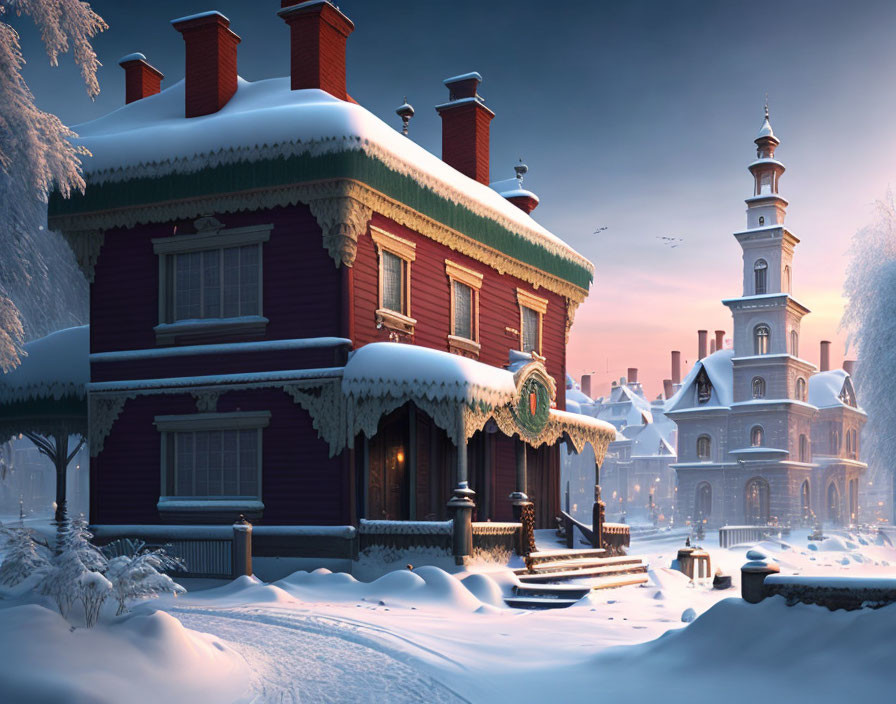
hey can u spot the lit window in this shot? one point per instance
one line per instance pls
(395, 258)
(761, 334)
(760, 274)
(210, 282)
(758, 387)
(704, 447)
(465, 283)
(532, 311)
(756, 436)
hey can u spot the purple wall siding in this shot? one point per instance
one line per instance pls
(195, 365)
(305, 302)
(301, 484)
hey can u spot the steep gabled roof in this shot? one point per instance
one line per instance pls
(832, 389)
(719, 369)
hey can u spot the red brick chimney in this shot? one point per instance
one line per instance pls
(849, 366)
(465, 127)
(676, 367)
(632, 375)
(586, 385)
(720, 339)
(211, 61)
(701, 343)
(317, 36)
(140, 79)
(526, 203)
(825, 361)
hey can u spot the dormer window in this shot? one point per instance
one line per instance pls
(760, 277)
(704, 387)
(761, 336)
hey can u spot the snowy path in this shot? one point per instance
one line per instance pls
(300, 657)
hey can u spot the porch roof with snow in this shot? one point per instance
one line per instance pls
(270, 137)
(48, 390)
(461, 395)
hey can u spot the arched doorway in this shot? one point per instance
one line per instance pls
(833, 503)
(805, 505)
(756, 499)
(703, 501)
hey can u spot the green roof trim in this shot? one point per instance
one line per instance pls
(281, 171)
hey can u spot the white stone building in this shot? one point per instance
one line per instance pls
(764, 437)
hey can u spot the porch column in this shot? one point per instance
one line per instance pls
(461, 505)
(523, 508)
(598, 512)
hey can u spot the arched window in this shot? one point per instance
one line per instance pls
(760, 277)
(761, 221)
(835, 442)
(758, 387)
(704, 387)
(703, 501)
(756, 436)
(704, 447)
(788, 280)
(756, 499)
(804, 448)
(804, 501)
(794, 343)
(833, 503)
(761, 337)
(800, 391)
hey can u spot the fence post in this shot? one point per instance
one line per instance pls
(752, 579)
(242, 548)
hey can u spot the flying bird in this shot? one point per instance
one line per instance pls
(600, 229)
(669, 241)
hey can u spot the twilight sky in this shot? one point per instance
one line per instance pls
(634, 116)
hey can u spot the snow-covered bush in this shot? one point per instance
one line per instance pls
(76, 557)
(23, 556)
(93, 590)
(141, 576)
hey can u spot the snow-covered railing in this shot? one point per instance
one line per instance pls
(834, 592)
(401, 535)
(492, 536)
(738, 535)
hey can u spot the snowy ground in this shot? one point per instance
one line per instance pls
(429, 636)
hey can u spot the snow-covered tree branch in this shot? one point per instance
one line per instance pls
(36, 155)
(870, 319)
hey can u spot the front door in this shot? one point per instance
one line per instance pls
(388, 485)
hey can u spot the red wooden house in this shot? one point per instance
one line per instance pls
(298, 314)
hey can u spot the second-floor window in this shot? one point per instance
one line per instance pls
(761, 335)
(760, 273)
(396, 255)
(211, 282)
(704, 447)
(756, 436)
(532, 311)
(465, 284)
(758, 387)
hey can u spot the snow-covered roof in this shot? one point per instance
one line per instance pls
(827, 389)
(56, 366)
(383, 369)
(651, 441)
(265, 120)
(511, 188)
(719, 369)
(766, 129)
(575, 394)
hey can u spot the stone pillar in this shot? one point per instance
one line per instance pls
(522, 506)
(242, 548)
(752, 579)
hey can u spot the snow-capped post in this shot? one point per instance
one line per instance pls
(317, 36)
(211, 71)
(140, 78)
(465, 127)
(752, 579)
(242, 548)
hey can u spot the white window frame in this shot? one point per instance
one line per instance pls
(540, 306)
(405, 250)
(169, 331)
(198, 422)
(458, 273)
(757, 336)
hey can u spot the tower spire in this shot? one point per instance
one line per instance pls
(766, 207)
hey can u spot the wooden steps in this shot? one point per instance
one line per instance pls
(545, 583)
